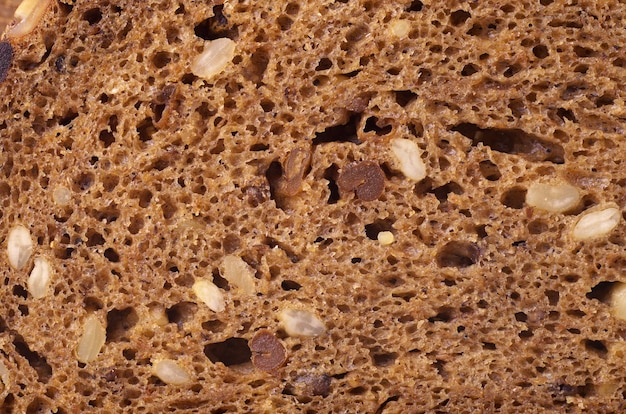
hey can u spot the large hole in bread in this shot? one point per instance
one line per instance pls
(181, 313)
(119, 322)
(330, 174)
(38, 405)
(284, 22)
(416, 5)
(112, 255)
(255, 70)
(83, 181)
(106, 135)
(94, 238)
(92, 16)
(601, 291)
(596, 347)
(442, 192)
(444, 314)
(36, 361)
(381, 358)
(169, 207)
(514, 198)
(373, 124)
(144, 197)
(489, 170)
(372, 229)
(513, 141)
(19, 291)
(403, 98)
(459, 17)
(216, 26)
(161, 59)
(553, 297)
(146, 129)
(290, 285)
(231, 352)
(214, 326)
(273, 174)
(458, 254)
(346, 132)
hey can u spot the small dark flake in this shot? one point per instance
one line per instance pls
(6, 57)
(110, 375)
(59, 64)
(315, 384)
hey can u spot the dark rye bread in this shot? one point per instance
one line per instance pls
(134, 179)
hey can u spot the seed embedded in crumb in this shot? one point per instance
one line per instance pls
(618, 300)
(91, 341)
(61, 196)
(299, 322)
(555, 198)
(158, 315)
(409, 156)
(210, 294)
(597, 222)
(214, 58)
(385, 238)
(238, 273)
(400, 27)
(27, 16)
(170, 372)
(19, 247)
(39, 278)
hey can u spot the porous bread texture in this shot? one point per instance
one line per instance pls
(135, 179)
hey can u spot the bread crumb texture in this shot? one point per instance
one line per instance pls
(183, 204)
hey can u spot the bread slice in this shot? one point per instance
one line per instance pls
(339, 206)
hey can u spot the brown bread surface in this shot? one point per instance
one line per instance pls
(135, 178)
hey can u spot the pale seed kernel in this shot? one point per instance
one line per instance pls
(19, 247)
(400, 27)
(210, 294)
(385, 238)
(555, 198)
(298, 322)
(238, 273)
(91, 341)
(158, 315)
(170, 372)
(597, 222)
(409, 156)
(61, 196)
(214, 58)
(27, 16)
(39, 278)
(618, 300)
